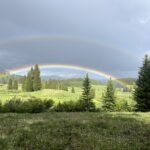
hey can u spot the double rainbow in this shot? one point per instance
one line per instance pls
(65, 66)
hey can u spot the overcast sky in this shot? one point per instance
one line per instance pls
(108, 35)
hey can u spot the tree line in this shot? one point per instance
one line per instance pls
(55, 84)
(12, 84)
(32, 82)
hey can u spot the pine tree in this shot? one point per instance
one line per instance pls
(93, 93)
(86, 99)
(142, 90)
(109, 97)
(24, 83)
(10, 84)
(37, 79)
(29, 83)
(15, 85)
(72, 90)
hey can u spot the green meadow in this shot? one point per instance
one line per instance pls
(63, 96)
(75, 131)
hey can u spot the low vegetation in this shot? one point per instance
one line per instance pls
(75, 131)
(28, 106)
(89, 117)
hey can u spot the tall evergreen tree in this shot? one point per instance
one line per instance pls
(24, 83)
(109, 97)
(86, 99)
(37, 79)
(142, 90)
(72, 90)
(93, 93)
(15, 85)
(29, 83)
(10, 84)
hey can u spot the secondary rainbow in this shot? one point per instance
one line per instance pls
(88, 70)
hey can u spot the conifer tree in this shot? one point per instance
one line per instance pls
(15, 85)
(72, 90)
(29, 83)
(24, 83)
(142, 90)
(86, 99)
(10, 84)
(109, 97)
(37, 79)
(93, 93)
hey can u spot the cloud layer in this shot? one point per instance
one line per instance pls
(107, 35)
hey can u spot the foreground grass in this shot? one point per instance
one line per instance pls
(75, 131)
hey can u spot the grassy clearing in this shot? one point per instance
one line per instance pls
(61, 96)
(75, 131)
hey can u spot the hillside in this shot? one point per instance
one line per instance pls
(128, 81)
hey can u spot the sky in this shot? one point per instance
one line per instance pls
(108, 35)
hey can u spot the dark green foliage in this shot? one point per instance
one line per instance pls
(86, 99)
(92, 93)
(15, 85)
(126, 89)
(33, 80)
(32, 105)
(10, 84)
(69, 106)
(24, 83)
(64, 88)
(124, 106)
(36, 78)
(55, 84)
(52, 84)
(109, 97)
(29, 83)
(72, 90)
(142, 90)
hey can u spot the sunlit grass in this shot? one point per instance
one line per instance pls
(61, 96)
(79, 131)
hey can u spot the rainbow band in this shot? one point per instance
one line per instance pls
(42, 66)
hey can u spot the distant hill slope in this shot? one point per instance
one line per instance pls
(77, 82)
(129, 81)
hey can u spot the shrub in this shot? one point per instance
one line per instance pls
(71, 106)
(12, 105)
(65, 107)
(124, 106)
(30, 106)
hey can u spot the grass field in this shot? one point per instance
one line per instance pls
(75, 131)
(61, 96)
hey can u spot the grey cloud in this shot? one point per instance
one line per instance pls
(124, 24)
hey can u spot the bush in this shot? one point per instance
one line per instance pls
(123, 106)
(65, 107)
(71, 106)
(30, 106)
